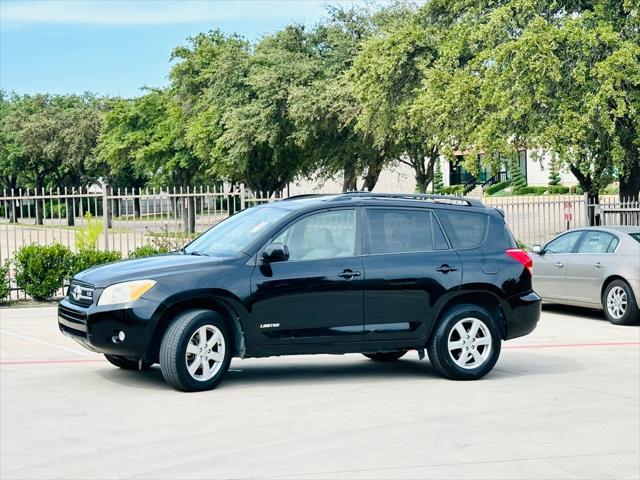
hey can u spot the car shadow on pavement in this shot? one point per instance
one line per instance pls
(575, 312)
(241, 373)
(248, 373)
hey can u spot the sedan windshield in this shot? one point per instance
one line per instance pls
(635, 236)
(230, 237)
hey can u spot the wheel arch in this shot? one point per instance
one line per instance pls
(483, 298)
(608, 280)
(220, 302)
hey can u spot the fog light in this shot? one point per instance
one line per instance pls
(119, 338)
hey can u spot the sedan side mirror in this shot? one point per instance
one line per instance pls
(275, 252)
(536, 249)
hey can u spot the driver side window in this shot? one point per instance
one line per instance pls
(322, 235)
(563, 244)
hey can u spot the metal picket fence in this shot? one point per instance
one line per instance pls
(170, 217)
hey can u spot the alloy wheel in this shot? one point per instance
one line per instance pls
(617, 302)
(205, 353)
(469, 343)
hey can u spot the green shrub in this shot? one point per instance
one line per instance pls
(87, 236)
(518, 181)
(577, 189)
(55, 210)
(4, 281)
(554, 175)
(521, 245)
(437, 178)
(41, 269)
(453, 190)
(147, 251)
(496, 187)
(90, 258)
(558, 189)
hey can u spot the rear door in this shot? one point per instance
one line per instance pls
(585, 269)
(549, 274)
(408, 265)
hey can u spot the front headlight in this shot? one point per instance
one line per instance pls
(125, 292)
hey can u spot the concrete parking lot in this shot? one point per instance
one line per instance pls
(563, 402)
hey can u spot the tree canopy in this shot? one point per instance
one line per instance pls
(366, 88)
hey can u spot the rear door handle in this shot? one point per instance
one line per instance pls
(348, 274)
(444, 268)
(558, 264)
(598, 265)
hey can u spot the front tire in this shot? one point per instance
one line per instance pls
(196, 351)
(385, 356)
(619, 304)
(466, 343)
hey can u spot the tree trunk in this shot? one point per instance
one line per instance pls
(373, 174)
(593, 199)
(108, 208)
(630, 185)
(350, 179)
(39, 205)
(136, 206)
(68, 206)
(188, 204)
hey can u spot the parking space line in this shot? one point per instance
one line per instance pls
(42, 342)
(66, 360)
(574, 345)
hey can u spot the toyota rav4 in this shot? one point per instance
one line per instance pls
(377, 274)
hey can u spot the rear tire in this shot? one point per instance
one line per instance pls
(196, 351)
(385, 356)
(619, 304)
(465, 344)
(127, 364)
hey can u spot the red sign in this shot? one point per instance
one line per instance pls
(567, 217)
(568, 206)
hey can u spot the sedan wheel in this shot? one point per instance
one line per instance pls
(619, 304)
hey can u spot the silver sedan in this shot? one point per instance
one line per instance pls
(595, 267)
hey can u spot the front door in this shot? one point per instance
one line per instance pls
(409, 266)
(316, 295)
(549, 274)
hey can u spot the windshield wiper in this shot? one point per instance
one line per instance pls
(192, 252)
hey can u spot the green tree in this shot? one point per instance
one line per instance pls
(563, 76)
(554, 175)
(387, 74)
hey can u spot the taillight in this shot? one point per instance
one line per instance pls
(522, 257)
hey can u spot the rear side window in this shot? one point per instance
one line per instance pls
(397, 230)
(598, 242)
(465, 229)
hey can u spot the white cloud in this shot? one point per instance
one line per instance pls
(149, 12)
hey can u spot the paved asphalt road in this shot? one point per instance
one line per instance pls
(563, 402)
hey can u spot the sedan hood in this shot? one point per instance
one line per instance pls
(149, 267)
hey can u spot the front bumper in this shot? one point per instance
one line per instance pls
(522, 314)
(96, 328)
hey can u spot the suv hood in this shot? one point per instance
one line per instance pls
(149, 267)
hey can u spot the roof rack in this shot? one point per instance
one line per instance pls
(306, 195)
(444, 199)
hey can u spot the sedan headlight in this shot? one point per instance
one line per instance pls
(125, 292)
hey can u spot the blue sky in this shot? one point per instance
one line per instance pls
(117, 47)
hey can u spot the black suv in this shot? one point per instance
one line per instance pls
(377, 274)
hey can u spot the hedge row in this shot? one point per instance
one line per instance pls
(40, 270)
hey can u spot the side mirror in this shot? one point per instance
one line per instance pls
(536, 249)
(275, 252)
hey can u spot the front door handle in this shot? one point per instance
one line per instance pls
(558, 264)
(348, 274)
(444, 268)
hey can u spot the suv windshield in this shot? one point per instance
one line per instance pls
(230, 237)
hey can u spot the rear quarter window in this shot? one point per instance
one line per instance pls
(464, 229)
